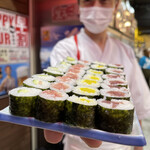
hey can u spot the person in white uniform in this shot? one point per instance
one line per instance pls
(94, 44)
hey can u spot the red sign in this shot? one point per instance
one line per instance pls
(13, 30)
(65, 13)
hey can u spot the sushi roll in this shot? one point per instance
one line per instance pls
(66, 79)
(115, 71)
(98, 67)
(99, 63)
(94, 72)
(117, 66)
(93, 77)
(112, 76)
(45, 77)
(22, 101)
(88, 82)
(50, 106)
(80, 66)
(54, 71)
(62, 87)
(71, 60)
(36, 83)
(78, 71)
(86, 91)
(115, 116)
(115, 94)
(74, 76)
(117, 82)
(107, 86)
(84, 62)
(80, 111)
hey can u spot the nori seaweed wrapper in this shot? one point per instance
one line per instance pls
(49, 110)
(114, 120)
(79, 115)
(22, 106)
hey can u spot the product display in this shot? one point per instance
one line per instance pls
(71, 91)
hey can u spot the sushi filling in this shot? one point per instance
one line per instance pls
(53, 95)
(84, 90)
(60, 86)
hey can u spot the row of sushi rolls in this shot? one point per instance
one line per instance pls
(77, 93)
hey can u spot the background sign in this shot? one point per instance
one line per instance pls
(50, 35)
(65, 13)
(14, 50)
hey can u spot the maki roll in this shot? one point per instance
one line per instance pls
(112, 76)
(115, 116)
(62, 87)
(45, 77)
(114, 94)
(117, 82)
(98, 67)
(66, 79)
(86, 91)
(50, 106)
(36, 83)
(22, 101)
(94, 72)
(93, 77)
(80, 111)
(76, 70)
(84, 62)
(117, 66)
(71, 60)
(99, 63)
(54, 71)
(88, 82)
(115, 71)
(107, 86)
(72, 75)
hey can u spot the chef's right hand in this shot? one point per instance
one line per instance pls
(55, 137)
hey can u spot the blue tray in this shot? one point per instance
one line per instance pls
(136, 138)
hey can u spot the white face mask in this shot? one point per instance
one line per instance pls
(96, 19)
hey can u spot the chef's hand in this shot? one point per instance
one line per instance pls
(55, 137)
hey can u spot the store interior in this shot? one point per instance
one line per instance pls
(45, 22)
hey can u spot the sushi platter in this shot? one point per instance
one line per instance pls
(87, 99)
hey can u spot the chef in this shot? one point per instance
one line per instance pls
(94, 44)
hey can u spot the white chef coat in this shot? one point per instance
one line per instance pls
(115, 52)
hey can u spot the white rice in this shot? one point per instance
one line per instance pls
(89, 91)
(28, 92)
(122, 104)
(57, 72)
(30, 82)
(51, 97)
(88, 82)
(44, 76)
(83, 100)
